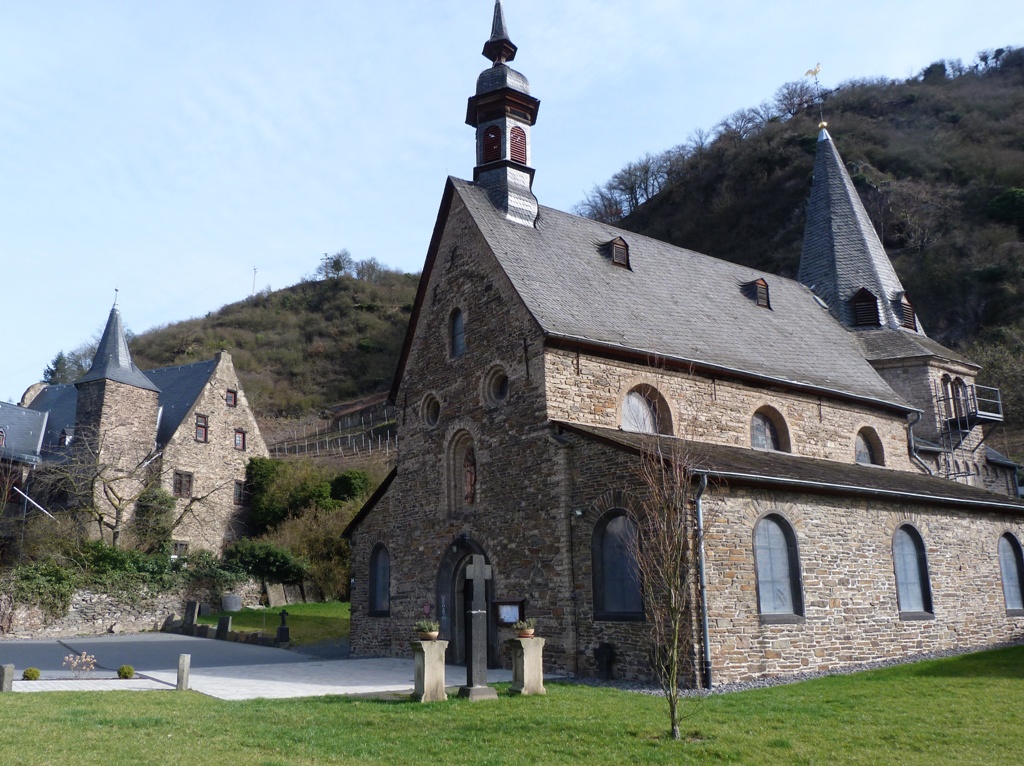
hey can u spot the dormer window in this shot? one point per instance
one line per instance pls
(64, 439)
(908, 317)
(757, 291)
(619, 251)
(3, 438)
(865, 309)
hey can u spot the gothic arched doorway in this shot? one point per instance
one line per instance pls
(454, 597)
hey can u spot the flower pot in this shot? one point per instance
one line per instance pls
(526, 633)
(427, 636)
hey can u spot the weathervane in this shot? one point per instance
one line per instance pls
(817, 92)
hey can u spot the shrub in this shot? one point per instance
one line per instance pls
(45, 584)
(350, 484)
(263, 559)
(126, 672)
(30, 674)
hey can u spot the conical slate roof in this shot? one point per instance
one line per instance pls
(842, 253)
(113, 361)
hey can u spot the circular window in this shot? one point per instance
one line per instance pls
(431, 410)
(496, 386)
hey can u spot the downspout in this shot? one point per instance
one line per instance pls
(702, 578)
(913, 447)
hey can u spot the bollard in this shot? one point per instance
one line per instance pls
(6, 678)
(184, 665)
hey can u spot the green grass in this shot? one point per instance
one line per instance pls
(308, 623)
(960, 711)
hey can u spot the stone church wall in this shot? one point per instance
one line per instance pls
(588, 389)
(849, 587)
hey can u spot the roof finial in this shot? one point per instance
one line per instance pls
(817, 93)
(115, 297)
(499, 48)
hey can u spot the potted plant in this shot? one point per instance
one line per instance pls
(525, 628)
(427, 630)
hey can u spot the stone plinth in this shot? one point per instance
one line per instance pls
(527, 665)
(428, 659)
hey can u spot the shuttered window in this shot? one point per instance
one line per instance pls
(492, 144)
(865, 309)
(517, 145)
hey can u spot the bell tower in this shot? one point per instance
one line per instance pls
(503, 111)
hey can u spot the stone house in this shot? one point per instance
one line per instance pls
(858, 513)
(187, 429)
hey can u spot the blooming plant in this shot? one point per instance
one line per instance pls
(80, 664)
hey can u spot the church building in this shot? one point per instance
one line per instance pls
(858, 512)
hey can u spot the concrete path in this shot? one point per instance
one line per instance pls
(221, 669)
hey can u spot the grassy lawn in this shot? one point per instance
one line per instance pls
(308, 623)
(968, 710)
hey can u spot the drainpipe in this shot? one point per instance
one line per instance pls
(702, 575)
(910, 443)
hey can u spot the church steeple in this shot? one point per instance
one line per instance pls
(503, 111)
(843, 260)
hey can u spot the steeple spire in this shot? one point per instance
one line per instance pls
(113, 361)
(499, 48)
(843, 260)
(503, 111)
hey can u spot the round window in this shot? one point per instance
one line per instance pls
(431, 410)
(496, 386)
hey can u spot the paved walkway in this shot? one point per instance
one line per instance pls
(220, 669)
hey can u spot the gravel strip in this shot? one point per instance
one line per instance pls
(643, 687)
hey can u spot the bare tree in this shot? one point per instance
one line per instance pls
(794, 97)
(667, 551)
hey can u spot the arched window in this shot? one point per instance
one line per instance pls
(912, 588)
(645, 411)
(617, 588)
(868, 448)
(463, 489)
(1011, 564)
(380, 581)
(517, 145)
(768, 431)
(778, 569)
(492, 144)
(457, 327)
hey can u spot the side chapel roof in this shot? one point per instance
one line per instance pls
(670, 302)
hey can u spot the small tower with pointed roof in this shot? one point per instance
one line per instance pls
(843, 260)
(118, 407)
(503, 111)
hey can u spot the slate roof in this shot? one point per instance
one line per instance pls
(998, 458)
(898, 344)
(23, 433)
(671, 303)
(746, 466)
(179, 389)
(113, 361)
(841, 251)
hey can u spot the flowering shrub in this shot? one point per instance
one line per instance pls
(80, 664)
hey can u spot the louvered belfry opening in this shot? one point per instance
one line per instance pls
(762, 293)
(517, 145)
(492, 144)
(909, 317)
(620, 252)
(865, 309)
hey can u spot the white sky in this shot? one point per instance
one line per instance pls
(168, 147)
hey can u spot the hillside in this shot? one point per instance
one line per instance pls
(938, 160)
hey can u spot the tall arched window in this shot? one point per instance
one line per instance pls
(463, 489)
(778, 569)
(1011, 564)
(868, 447)
(517, 145)
(912, 587)
(492, 144)
(380, 581)
(768, 431)
(617, 588)
(457, 327)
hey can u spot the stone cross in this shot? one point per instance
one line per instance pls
(476, 688)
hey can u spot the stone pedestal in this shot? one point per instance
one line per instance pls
(428, 659)
(527, 665)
